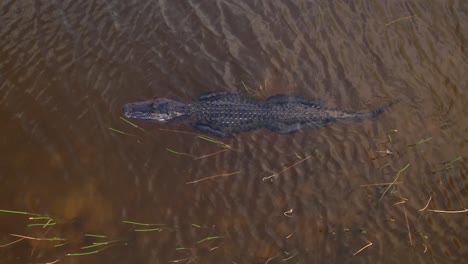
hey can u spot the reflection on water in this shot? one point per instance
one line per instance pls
(79, 184)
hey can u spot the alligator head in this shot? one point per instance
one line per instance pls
(162, 110)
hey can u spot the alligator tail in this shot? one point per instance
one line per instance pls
(362, 116)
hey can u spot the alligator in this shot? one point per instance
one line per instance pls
(224, 114)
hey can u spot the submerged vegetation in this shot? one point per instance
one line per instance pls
(90, 243)
(391, 156)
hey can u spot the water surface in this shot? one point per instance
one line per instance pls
(348, 193)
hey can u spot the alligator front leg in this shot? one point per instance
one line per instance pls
(212, 131)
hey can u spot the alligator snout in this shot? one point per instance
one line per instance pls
(139, 110)
(127, 110)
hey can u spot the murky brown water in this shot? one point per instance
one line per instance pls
(67, 67)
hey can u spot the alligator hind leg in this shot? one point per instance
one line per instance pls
(283, 128)
(210, 130)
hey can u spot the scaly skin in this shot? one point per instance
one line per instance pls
(224, 114)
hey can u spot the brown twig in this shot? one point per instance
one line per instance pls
(213, 248)
(380, 184)
(182, 260)
(132, 124)
(287, 168)
(210, 139)
(425, 248)
(407, 225)
(400, 202)
(288, 213)
(55, 261)
(38, 238)
(180, 153)
(11, 243)
(427, 204)
(121, 132)
(364, 247)
(406, 219)
(195, 157)
(449, 212)
(401, 18)
(48, 222)
(178, 131)
(212, 177)
(211, 154)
